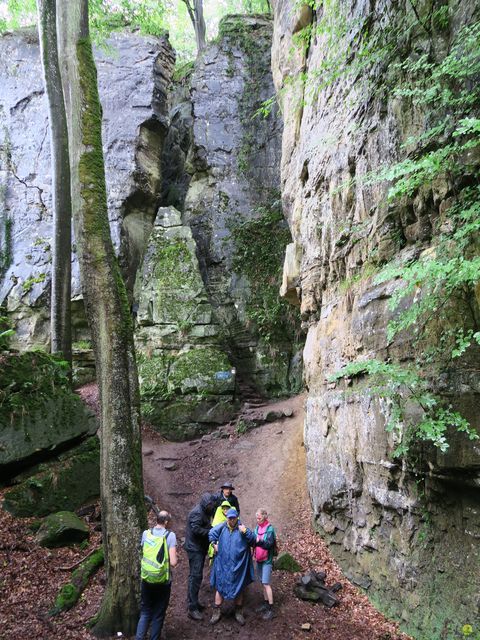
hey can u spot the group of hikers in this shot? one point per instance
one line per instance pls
(213, 530)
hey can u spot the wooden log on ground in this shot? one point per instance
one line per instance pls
(304, 594)
(320, 576)
(314, 579)
(311, 587)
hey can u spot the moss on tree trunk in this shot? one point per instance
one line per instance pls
(123, 511)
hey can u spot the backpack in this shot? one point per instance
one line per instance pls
(276, 545)
(155, 566)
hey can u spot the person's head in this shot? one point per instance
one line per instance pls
(232, 518)
(163, 518)
(207, 503)
(225, 507)
(261, 515)
(227, 489)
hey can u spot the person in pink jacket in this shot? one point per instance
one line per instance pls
(265, 538)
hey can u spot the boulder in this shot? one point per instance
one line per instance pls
(64, 484)
(38, 411)
(61, 530)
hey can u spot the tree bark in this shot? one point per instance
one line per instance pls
(60, 320)
(108, 314)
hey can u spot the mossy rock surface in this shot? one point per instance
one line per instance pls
(206, 371)
(38, 411)
(61, 529)
(286, 562)
(184, 396)
(65, 484)
(190, 416)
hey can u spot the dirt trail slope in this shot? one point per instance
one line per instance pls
(267, 467)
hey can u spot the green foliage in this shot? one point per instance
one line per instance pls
(405, 390)
(146, 15)
(6, 331)
(81, 345)
(468, 631)
(105, 16)
(29, 378)
(259, 249)
(27, 285)
(447, 150)
(183, 72)
(17, 13)
(241, 427)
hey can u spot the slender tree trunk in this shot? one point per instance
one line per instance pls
(195, 12)
(123, 509)
(200, 27)
(61, 337)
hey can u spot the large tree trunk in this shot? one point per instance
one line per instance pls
(123, 509)
(61, 336)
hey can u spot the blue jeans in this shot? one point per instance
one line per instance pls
(196, 560)
(155, 599)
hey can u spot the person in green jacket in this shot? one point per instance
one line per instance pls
(220, 516)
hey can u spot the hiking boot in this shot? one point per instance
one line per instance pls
(239, 617)
(201, 607)
(263, 607)
(216, 615)
(194, 614)
(268, 615)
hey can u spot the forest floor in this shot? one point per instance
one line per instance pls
(267, 467)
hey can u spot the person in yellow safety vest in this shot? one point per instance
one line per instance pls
(220, 516)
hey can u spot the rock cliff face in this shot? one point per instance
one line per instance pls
(407, 530)
(207, 292)
(232, 204)
(135, 123)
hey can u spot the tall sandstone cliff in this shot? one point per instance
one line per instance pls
(406, 529)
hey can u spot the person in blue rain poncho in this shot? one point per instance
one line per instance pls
(232, 568)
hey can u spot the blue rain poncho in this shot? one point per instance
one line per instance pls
(232, 568)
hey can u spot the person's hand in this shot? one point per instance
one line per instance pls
(242, 528)
(215, 547)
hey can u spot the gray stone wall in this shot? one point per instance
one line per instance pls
(400, 528)
(234, 163)
(134, 74)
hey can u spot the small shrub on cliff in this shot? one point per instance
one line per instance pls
(405, 389)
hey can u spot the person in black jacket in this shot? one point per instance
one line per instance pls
(196, 546)
(226, 493)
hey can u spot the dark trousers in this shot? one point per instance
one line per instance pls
(196, 560)
(155, 599)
